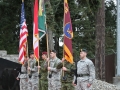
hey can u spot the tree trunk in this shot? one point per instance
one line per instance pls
(50, 26)
(100, 43)
(50, 40)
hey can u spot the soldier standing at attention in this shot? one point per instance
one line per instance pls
(85, 72)
(23, 75)
(68, 76)
(54, 76)
(33, 81)
(44, 72)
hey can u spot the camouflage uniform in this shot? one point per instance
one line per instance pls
(68, 76)
(33, 81)
(23, 77)
(43, 80)
(85, 74)
(54, 76)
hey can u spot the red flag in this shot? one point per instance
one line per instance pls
(35, 31)
(68, 34)
(23, 36)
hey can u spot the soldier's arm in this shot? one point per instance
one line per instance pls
(35, 68)
(74, 78)
(71, 68)
(56, 68)
(91, 72)
(43, 69)
(26, 64)
(18, 75)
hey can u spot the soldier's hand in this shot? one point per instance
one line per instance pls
(63, 59)
(73, 84)
(28, 68)
(17, 78)
(47, 59)
(64, 68)
(26, 79)
(88, 85)
(49, 68)
(38, 67)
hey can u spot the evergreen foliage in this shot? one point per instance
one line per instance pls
(83, 22)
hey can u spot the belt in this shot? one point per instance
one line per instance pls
(82, 75)
(23, 73)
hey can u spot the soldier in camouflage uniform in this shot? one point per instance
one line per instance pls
(54, 76)
(68, 76)
(85, 72)
(33, 81)
(23, 76)
(44, 72)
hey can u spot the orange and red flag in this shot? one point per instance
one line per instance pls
(68, 34)
(35, 31)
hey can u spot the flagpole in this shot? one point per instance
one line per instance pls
(38, 56)
(27, 56)
(47, 45)
(38, 52)
(63, 57)
(63, 42)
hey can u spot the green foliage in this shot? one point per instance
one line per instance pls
(83, 22)
(111, 12)
(9, 22)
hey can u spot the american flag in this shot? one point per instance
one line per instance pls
(23, 36)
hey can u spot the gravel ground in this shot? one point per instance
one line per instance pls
(101, 85)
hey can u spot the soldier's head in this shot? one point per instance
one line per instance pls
(32, 55)
(44, 55)
(53, 53)
(83, 53)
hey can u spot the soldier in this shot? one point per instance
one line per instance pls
(85, 72)
(33, 81)
(68, 76)
(23, 75)
(43, 72)
(54, 76)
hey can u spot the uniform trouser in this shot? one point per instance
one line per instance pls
(82, 85)
(54, 84)
(23, 83)
(43, 84)
(67, 86)
(33, 83)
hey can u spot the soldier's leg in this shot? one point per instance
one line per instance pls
(70, 86)
(44, 85)
(57, 85)
(29, 84)
(63, 87)
(84, 86)
(23, 84)
(35, 83)
(40, 88)
(78, 86)
(50, 86)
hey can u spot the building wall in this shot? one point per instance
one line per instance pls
(10, 57)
